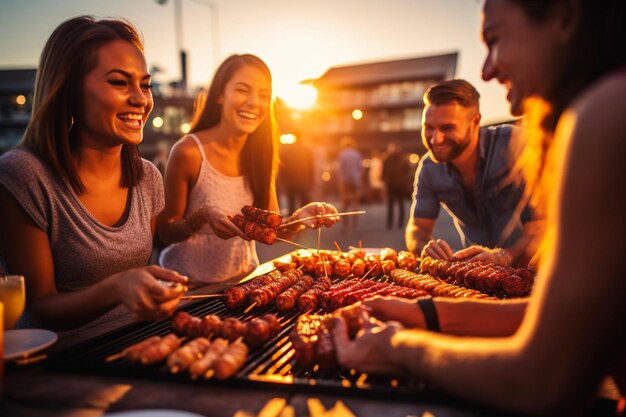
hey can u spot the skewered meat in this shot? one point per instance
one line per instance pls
(341, 268)
(231, 361)
(268, 293)
(287, 299)
(273, 323)
(184, 324)
(434, 286)
(311, 299)
(486, 277)
(210, 325)
(255, 231)
(159, 350)
(266, 217)
(202, 365)
(358, 268)
(184, 356)
(256, 332)
(232, 329)
(407, 260)
(133, 352)
(239, 295)
(388, 254)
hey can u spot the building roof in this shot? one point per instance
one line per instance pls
(438, 67)
(17, 80)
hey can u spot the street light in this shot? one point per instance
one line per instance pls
(178, 23)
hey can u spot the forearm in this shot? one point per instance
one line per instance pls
(486, 371)
(416, 239)
(174, 230)
(479, 318)
(67, 310)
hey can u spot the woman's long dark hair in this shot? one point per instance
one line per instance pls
(259, 155)
(69, 55)
(594, 50)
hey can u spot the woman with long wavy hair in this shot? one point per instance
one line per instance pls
(228, 161)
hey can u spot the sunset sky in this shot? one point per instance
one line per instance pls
(298, 39)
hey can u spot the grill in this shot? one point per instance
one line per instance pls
(268, 365)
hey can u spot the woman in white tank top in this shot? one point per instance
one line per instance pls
(228, 160)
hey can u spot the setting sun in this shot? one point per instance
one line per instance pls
(299, 96)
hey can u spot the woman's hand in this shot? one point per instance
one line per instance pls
(371, 350)
(220, 223)
(152, 292)
(480, 253)
(404, 311)
(316, 209)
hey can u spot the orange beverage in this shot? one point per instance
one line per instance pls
(13, 297)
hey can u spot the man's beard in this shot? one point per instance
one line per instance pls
(454, 151)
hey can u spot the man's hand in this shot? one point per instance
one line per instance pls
(438, 249)
(480, 253)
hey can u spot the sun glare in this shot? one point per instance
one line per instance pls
(299, 96)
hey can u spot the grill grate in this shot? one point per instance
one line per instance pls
(270, 364)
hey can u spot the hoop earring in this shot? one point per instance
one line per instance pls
(69, 129)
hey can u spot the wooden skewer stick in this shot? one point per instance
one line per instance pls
(321, 216)
(291, 243)
(114, 357)
(367, 273)
(319, 239)
(200, 296)
(337, 246)
(250, 307)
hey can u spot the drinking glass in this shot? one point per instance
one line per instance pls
(13, 296)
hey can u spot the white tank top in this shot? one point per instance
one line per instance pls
(204, 257)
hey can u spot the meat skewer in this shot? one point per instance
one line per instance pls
(288, 298)
(239, 295)
(160, 350)
(266, 217)
(133, 352)
(268, 293)
(183, 357)
(205, 364)
(311, 298)
(231, 360)
(255, 231)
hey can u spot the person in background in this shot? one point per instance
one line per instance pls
(375, 175)
(471, 171)
(396, 176)
(549, 357)
(228, 161)
(160, 159)
(78, 205)
(349, 171)
(296, 173)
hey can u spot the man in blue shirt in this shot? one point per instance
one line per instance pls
(471, 171)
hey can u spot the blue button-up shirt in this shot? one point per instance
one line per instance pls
(493, 213)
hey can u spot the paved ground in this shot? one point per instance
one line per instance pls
(371, 231)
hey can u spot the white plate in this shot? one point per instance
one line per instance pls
(22, 342)
(153, 413)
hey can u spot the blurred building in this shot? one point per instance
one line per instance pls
(375, 103)
(169, 120)
(16, 100)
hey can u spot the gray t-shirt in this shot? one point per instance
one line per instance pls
(84, 250)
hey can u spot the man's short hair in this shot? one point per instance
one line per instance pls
(448, 91)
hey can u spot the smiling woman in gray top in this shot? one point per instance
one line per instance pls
(77, 203)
